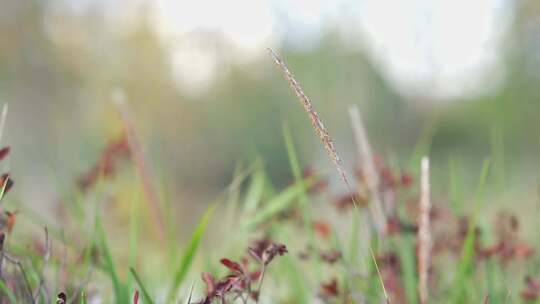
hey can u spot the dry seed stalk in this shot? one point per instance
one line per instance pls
(324, 136)
(138, 158)
(320, 130)
(424, 233)
(366, 158)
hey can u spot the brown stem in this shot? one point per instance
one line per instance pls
(261, 280)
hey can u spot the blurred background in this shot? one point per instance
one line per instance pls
(204, 94)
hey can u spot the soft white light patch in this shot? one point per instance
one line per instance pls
(431, 48)
(194, 68)
(247, 24)
(436, 48)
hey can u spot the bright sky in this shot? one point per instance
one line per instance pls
(427, 48)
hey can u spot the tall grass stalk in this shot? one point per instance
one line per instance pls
(366, 158)
(141, 165)
(424, 233)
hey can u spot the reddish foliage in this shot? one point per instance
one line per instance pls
(272, 251)
(397, 226)
(233, 266)
(322, 228)
(4, 152)
(531, 290)
(329, 289)
(239, 282)
(136, 297)
(10, 220)
(258, 248)
(331, 256)
(115, 151)
(406, 180)
(346, 201)
(6, 183)
(318, 186)
(61, 298)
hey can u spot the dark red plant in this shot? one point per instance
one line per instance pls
(531, 291)
(322, 228)
(239, 282)
(329, 289)
(318, 186)
(115, 151)
(330, 256)
(61, 298)
(136, 297)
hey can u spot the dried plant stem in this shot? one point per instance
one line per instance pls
(261, 280)
(387, 299)
(424, 233)
(316, 122)
(24, 276)
(366, 159)
(138, 158)
(324, 136)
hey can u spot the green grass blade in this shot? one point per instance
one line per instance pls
(379, 275)
(189, 254)
(7, 292)
(188, 299)
(109, 266)
(147, 297)
(255, 191)
(277, 204)
(297, 173)
(467, 253)
(134, 228)
(84, 298)
(407, 258)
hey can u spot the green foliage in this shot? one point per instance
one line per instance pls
(189, 253)
(147, 297)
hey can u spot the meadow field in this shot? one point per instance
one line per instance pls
(269, 152)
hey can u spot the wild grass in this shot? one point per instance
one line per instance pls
(390, 237)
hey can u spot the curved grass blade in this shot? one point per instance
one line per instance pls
(277, 204)
(147, 297)
(7, 292)
(255, 190)
(467, 253)
(119, 289)
(189, 254)
(188, 300)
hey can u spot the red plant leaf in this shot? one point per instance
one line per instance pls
(6, 182)
(4, 152)
(331, 256)
(523, 250)
(272, 251)
(210, 282)
(330, 289)
(406, 180)
(322, 228)
(136, 297)
(233, 266)
(10, 221)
